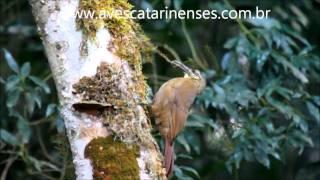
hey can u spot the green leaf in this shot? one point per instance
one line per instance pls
(226, 60)
(197, 121)
(219, 90)
(25, 70)
(276, 155)
(262, 157)
(36, 163)
(177, 171)
(228, 164)
(13, 97)
(12, 82)
(237, 133)
(8, 137)
(238, 158)
(177, 4)
(316, 100)
(267, 23)
(300, 123)
(191, 170)
(11, 61)
(40, 83)
(24, 130)
(184, 156)
(261, 60)
(50, 109)
(60, 126)
(314, 111)
(303, 137)
(179, 174)
(248, 155)
(182, 140)
(2, 80)
(279, 130)
(219, 6)
(295, 71)
(195, 124)
(270, 127)
(257, 132)
(30, 102)
(244, 97)
(231, 43)
(286, 93)
(297, 36)
(36, 98)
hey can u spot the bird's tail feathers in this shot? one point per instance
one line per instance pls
(168, 157)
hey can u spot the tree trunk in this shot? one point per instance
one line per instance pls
(96, 65)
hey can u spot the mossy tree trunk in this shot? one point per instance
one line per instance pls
(96, 65)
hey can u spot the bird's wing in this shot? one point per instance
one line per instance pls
(186, 93)
(161, 108)
(179, 115)
(171, 105)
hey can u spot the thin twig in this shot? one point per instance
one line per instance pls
(155, 74)
(7, 167)
(8, 152)
(159, 77)
(244, 29)
(173, 53)
(64, 167)
(195, 56)
(42, 146)
(40, 121)
(49, 76)
(43, 174)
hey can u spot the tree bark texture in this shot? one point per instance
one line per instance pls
(101, 91)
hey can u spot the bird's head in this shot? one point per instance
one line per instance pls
(189, 73)
(201, 79)
(197, 75)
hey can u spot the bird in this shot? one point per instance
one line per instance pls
(170, 107)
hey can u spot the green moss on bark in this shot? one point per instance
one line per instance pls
(113, 159)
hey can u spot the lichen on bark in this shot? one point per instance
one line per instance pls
(113, 159)
(112, 94)
(117, 93)
(128, 40)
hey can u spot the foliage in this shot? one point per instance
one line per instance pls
(261, 92)
(259, 100)
(18, 129)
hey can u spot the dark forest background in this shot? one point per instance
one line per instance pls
(258, 117)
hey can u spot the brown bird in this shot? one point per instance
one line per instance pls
(170, 108)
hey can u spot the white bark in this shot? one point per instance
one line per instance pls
(62, 41)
